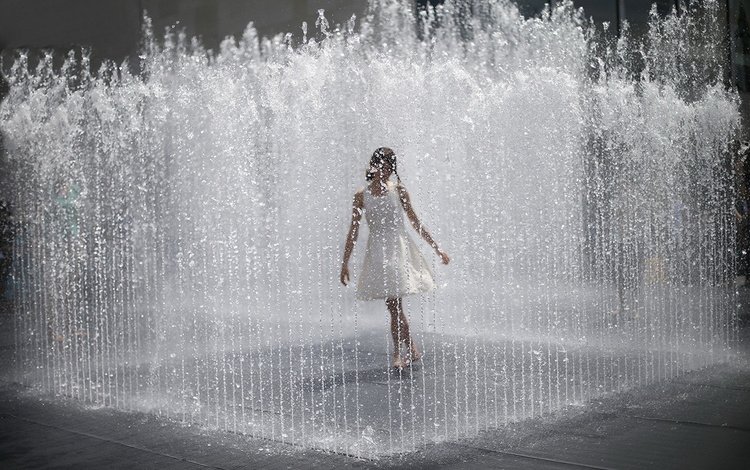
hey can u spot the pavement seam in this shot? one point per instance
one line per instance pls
(536, 457)
(690, 423)
(723, 387)
(125, 444)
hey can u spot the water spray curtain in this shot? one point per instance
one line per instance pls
(180, 232)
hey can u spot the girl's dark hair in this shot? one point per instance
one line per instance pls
(380, 156)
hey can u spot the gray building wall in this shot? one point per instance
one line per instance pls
(112, 28)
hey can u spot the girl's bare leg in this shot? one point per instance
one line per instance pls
(396, 332)
(414, 354)
(400, 333)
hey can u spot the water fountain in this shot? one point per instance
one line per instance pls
(180, 230)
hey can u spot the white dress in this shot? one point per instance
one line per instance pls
(393, 265)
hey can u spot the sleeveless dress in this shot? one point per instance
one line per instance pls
(393, 265)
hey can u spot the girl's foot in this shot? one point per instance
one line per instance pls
(398, 362)
(414, 355)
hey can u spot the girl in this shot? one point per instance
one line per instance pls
(393, 265)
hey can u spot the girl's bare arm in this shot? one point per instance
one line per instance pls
(351, 238)
(421, 229)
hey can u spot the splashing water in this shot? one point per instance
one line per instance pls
(180, 231)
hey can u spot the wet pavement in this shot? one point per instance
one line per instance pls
(698, 420)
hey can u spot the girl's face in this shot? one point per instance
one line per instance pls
(381, 170)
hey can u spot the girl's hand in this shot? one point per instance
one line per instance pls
(443, 256)
(344, 274)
